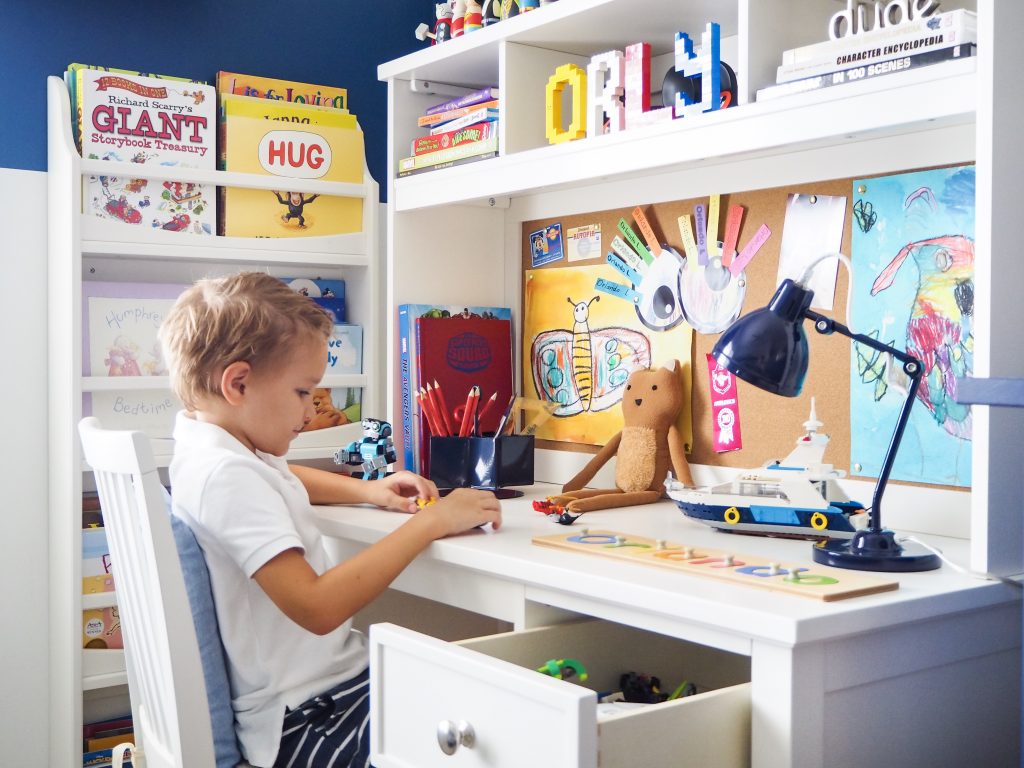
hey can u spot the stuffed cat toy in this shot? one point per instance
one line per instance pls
(646, 448)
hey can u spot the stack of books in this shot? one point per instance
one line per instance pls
(462, 130)
(924, 41)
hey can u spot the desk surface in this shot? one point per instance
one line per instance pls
(754, 613)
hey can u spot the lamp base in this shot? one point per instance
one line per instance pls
(874, 551)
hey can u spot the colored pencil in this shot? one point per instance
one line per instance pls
(435, 404)
(428, 411)
(503, 421)
(443, 407)
(487, 407)
(467, 414)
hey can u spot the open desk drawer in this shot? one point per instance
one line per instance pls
(424, 692)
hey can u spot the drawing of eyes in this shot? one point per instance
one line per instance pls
(865, 215)
(585, 369)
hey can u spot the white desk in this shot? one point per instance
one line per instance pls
(926, 675)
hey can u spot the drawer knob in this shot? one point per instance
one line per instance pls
(450, 736)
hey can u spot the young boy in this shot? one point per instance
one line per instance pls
(245, 354)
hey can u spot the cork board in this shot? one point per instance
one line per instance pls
(770, 423)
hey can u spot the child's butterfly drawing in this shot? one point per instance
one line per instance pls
(585, 369)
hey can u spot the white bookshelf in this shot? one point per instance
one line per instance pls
(82, 248)
(466, 220)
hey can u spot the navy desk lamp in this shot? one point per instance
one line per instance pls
(768, 348)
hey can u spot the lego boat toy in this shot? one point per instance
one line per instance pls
(797, 497)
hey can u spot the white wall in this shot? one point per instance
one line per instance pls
(24, 645)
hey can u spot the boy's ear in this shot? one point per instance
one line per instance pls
(233, 381)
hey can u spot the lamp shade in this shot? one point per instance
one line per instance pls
(768, 347)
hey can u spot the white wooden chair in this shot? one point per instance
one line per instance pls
(165, 675)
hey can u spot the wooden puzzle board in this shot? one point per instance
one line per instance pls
(814, 581)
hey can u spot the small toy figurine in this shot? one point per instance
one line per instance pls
(458, 17)
(442, 27)
(563, 669)
(373, 453)
(474, 17)
(491, 12)
(646, 448)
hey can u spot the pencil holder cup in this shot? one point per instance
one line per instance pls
(482, 462)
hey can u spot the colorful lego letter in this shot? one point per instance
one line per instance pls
(576, 78)
(606, 78)
(638, 88)
(705, 64)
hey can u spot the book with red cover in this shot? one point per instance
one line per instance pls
(460, 353)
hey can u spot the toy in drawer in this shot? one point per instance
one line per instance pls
(485, 701)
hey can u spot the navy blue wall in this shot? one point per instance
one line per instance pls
(327, 42)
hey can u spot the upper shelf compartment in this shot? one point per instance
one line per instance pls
(918, 100)
(578, 27)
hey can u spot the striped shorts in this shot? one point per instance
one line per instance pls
(331, 730)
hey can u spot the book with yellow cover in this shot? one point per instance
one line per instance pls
(279, 138)
(282, 90)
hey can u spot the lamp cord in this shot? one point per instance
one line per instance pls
(809, 269)
(956, 566)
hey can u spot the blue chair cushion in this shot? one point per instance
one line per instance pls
(211, 652)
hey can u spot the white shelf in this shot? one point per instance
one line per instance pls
(141, 383)
(924, 99)
(99, 600)
(102, 668)
(84, 247)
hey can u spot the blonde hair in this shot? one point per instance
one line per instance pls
(249, 316)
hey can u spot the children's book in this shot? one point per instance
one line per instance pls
(71, 80)
(345, 350)
(454, 138)
(96, 574)
(409, 381)
(101, 628)
(466, 100)
(101, 758)
(444, 117)
(329, 294)
(282, 90)
(134, 119)
(490, 144)
(447, 164)
(279, 138)
(470, 118)
(120, 322)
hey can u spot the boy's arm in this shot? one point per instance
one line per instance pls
(397, 491)
(322, 603)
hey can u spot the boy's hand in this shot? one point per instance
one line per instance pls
(463, 509)
(399, 491)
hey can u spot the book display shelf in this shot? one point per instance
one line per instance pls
(84, 249)
(455, 235)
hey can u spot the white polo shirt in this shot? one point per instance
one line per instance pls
(244, 509)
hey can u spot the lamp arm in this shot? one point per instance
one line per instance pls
(912, 367)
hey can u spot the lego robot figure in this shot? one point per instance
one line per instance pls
(373, 453)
